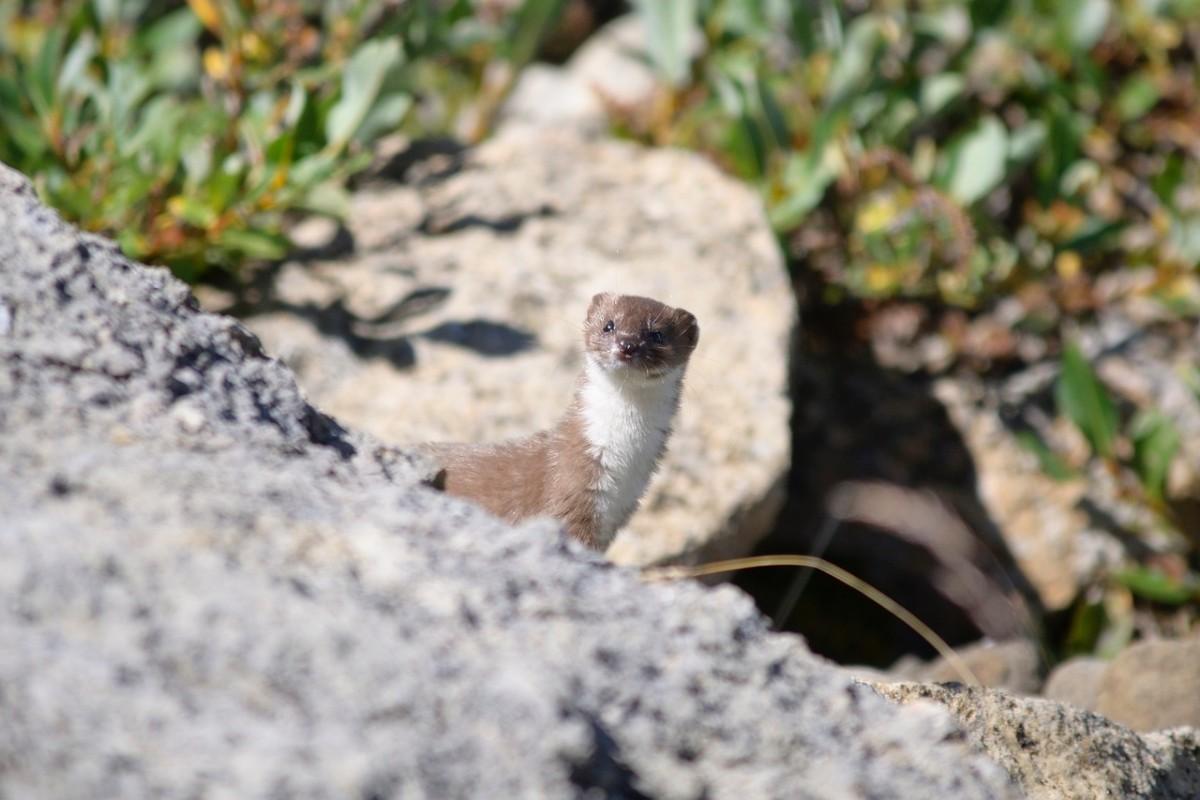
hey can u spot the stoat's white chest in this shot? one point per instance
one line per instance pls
(627, 421)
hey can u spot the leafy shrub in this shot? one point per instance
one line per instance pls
(189, 131)
(951, 150)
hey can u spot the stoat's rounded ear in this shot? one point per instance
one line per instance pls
(689, 329)
(598, 300)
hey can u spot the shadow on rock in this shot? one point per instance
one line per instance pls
(422, 161)
(483, 337)
(604, 773)
(378, 337)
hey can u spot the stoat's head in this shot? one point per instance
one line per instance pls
(638, 336)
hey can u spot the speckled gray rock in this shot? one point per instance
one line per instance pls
(1057, 752)
(212, 591)
(458, 316)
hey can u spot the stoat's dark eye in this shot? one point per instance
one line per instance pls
(655, 336)
(608, 328)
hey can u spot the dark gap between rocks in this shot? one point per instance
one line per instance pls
(858, 424)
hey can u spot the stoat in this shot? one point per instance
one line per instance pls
(590, 470)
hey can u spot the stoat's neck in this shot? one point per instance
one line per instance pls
(626, 421)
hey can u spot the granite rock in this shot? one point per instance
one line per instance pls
(1058, 752)
(214, 590)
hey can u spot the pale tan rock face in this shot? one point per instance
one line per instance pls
(1153, 685)
(1014, 666)
(465, 296)
(1048, 533)
(1076, 682)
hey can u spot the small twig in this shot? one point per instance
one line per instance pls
(888, 604)
(792, 596)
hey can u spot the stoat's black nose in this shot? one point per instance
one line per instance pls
(627, 347)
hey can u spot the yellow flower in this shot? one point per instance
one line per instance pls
(216, 63)
(208, 14)
(877, 214)
(1068, 265)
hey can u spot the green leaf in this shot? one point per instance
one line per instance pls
(71, 75)
(178, 29)
(806, 175)
(360, 86)
(384, 117)
(196, 156)
(669, 27)
(107, 11)
(1081, 23)
(772, 113)
(24, 133)
(1026, 141)
(158, 128)
(194, 212)
(1048, 460)
(1083, 399)
(42, 84)
(532, 20)
(939, 90)
(1155, 442)
(744, 142)
(1093, 234)
(805, 179)
(328, 198)
(1137, 96)
(1088, 621)
(255, 243)
(856, 59)
(313, 169)
(975, 162)
(1157, 586)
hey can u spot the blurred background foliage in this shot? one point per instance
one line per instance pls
(953, 150)
(1034, 159)
(941, 150)
(188, 131)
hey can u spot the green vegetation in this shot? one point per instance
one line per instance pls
(952, 151)
(189, 131)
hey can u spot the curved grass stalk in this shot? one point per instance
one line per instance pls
(888, 604)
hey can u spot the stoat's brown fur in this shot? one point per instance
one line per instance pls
(590, 470)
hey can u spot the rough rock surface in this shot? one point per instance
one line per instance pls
(457, 316)
(214, 591)
(1057, 752)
